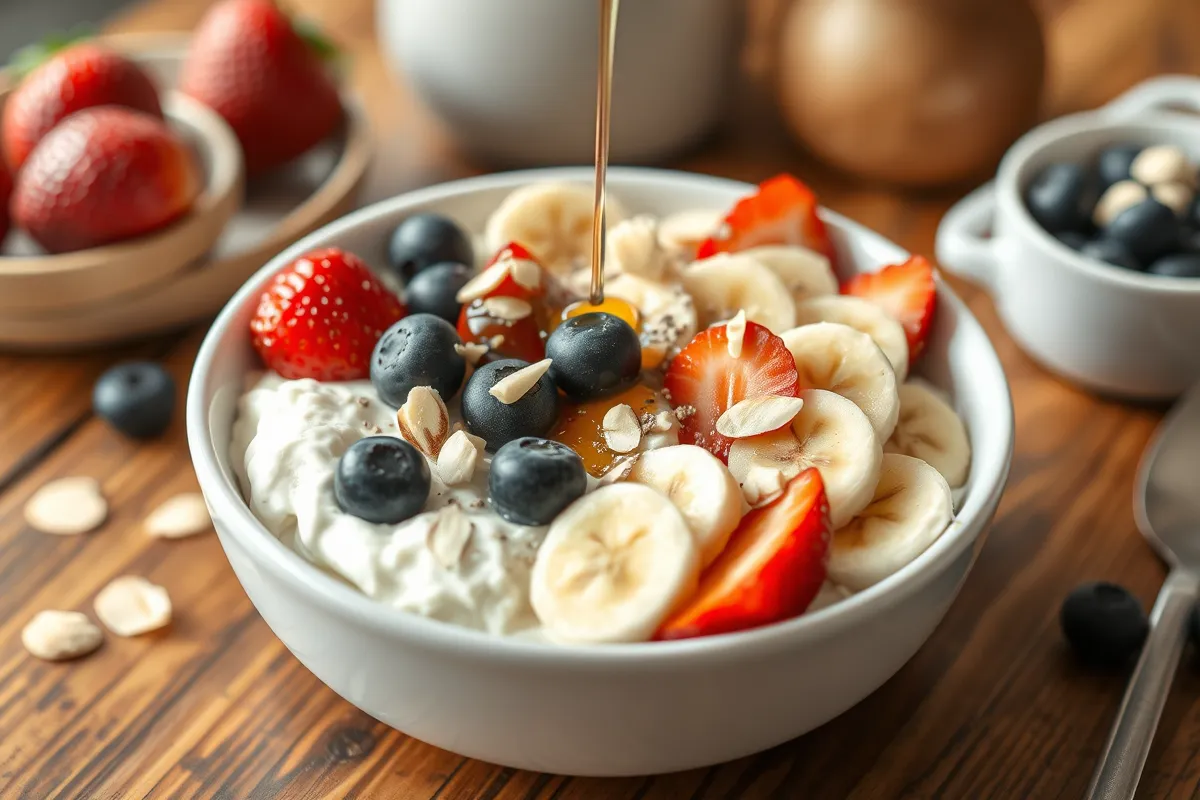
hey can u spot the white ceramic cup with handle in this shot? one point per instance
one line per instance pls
(1112, 330)
(514, 81)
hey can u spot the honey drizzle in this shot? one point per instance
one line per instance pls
(608, 29)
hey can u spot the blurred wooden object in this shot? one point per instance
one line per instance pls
(216, 707)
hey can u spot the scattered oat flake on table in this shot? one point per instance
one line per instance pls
(132, 605)
(182, 515)
(67, 507)
(60, 635)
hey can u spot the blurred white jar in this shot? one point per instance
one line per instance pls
(515, 80)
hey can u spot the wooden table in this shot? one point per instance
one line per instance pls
(216, 707)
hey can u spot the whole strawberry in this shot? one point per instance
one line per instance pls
(80, 76)
(249, 64)
(321, 316)
(102, 175)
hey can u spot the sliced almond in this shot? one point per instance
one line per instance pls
(132, 605)
(483, 283)
(67, 507)
(448, 536)
(509, 309)
(471, 351)
(526, 273)
(1174, 195)
(758, 415)
(512, 388)
(763, 485)
(622, 432)
(735, 334)
(60, 635)
(424, 420)
(181, 516)
(618, 470)
(459, 456)
(1118, 197)
(495, 342)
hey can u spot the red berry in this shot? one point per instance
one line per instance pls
(321, 316)
(905, 291)
(6, 187)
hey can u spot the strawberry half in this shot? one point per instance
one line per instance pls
(782, 211)
(321, 316)
(770, 571)
(704, 380)
(906, 292)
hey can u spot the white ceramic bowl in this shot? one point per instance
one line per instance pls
(1110, 329)
(614, 710)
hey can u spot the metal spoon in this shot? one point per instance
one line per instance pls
(1166, 502)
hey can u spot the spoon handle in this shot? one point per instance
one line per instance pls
(1120, 766)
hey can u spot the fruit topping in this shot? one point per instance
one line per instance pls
(321, 316)
(81, 75)
(419, 350)
(246, 62)
(519, 410)
(595, 355)
(381, 479)
(581, 426)
(771, 569)
(1061, 197)
(910, 509)
(782, 211)
(532, 480)
(422, 240)
(862, 315)
(931, 430)
(724, 284)
(505, 324)
(1104, 623)
(907, 292)
(433, 290)
(102, 175)
(612, 566)
(137, 398)
(553, 220)
(705, 380)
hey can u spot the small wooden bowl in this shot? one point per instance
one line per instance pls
(32, 282)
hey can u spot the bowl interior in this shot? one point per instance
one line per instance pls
(959, 359)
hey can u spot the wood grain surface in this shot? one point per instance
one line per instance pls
(215, 707)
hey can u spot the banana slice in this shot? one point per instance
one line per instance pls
(929, 429)
(830, 433)
(843, 360)
(669, 319)
(806, 273)
(700, 487)
(613, 565)
(552, 220)
(725, 283)
(683, 232)
(910, 510)
(862, 315)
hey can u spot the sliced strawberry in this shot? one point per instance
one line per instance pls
(509, 338)
(782, 211)
(321, 316)
(770, 571)
(905, 291)
(509, 286)
(704, 380)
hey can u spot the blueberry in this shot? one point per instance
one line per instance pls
(594, 355)
(1114, 162)
(533, 414)
(432, 290)
(1111, 252)
(1148, 230)
(417, 351)
(381, 479)
(423, 240)
(1072, 239)
(137, 398)
(1104, 623)
(1061, 197)
(1177, 265)
(531, 480)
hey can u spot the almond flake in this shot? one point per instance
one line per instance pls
(663, 422)
(758, 415)
(424, 420)
(471, 351)
(735, 334)
(67, 507)
(459, 456)
(763, 485)
(512, 388)
(132, 605)
(449, 535)
(526, 273)
(622, 433)
(618, 470)
(483, 283)
(181, 516)
(496, 341)
(60, 635)
(509, 309)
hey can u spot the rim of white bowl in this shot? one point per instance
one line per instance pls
(285, 564)
(1074, 126)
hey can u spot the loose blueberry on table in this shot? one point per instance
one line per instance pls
(1104, 623)
(137, 398)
